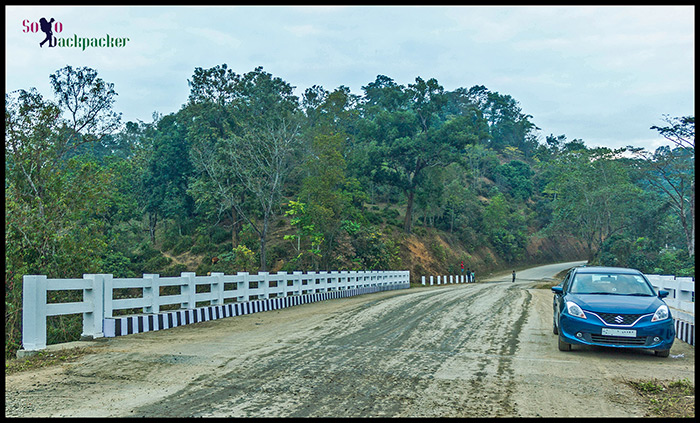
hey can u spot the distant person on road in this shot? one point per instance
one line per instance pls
(469, 275)
(473, 277)
(513, 276)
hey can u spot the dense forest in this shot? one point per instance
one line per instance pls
(247, 176)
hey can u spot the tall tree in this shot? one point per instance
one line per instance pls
(210, 119)
(39, 137)
(593, 196)
(54, 203)
(407, 136)
(508, 125)
(254, 156)
(672, 172)
(167, 173)
(331, 199)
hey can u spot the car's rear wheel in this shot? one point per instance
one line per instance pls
(564, 346)
(555, 330)
(662, 353)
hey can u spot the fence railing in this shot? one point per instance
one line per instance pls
(681, 291)
(681, 299)
(217, 289)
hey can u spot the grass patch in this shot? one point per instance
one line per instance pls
(667, 398)
(45, 359)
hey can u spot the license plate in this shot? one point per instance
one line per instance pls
(630, 333)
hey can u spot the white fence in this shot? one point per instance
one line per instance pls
(681, 299)
(247, 292)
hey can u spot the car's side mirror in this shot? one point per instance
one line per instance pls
(557, 289)
(663, 294)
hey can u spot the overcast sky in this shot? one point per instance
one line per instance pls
(601, 74)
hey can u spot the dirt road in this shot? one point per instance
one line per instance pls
(475, 350)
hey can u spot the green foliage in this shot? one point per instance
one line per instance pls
(647, 256)
(506, 228)
(594, 197)
(374, 251)
(324, 182)
(516, 177)
(239, 259)
(407, 133)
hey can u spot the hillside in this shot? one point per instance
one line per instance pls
(428, 251)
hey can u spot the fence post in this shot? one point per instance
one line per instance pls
(108, 295)
(264, 283)
(245, 277)
(34, 312)
(187, 290)
(151, 292)
(92, 320)
(217, 287)
(333, 281)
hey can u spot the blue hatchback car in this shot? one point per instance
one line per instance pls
(611, 307)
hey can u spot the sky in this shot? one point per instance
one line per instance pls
(601, 74)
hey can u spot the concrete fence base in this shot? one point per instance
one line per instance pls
(685, 331)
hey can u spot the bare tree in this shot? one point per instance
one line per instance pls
(674, 172)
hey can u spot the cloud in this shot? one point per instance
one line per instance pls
(303, 30)
(219, 38)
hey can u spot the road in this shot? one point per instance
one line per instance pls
(477, 350)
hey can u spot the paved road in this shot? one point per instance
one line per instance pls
(473, 350)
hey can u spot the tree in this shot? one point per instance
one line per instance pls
(505, 228)
(516, 176)
(54, 203)
(86, 101)
(671, 171)
(330, 198)
(253, 156)
(406, 135)
(38, 139)
(593, 196)
(680, 132)
(508, 125)
(168, 170)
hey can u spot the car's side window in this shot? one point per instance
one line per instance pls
(567, 280)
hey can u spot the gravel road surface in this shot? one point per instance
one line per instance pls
(476, 350)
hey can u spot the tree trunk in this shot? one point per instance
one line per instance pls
(235, 227)
(152, 221)
(263, 258)
(691, 242)
(263, 245)
(409, 212)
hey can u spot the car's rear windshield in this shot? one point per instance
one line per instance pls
(610, 283)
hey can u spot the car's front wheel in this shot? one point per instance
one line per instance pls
(662, 353)
(564, 346)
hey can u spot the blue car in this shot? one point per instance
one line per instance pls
(611, 307)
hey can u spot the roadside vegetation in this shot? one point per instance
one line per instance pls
(45, 359)
(667, 398)
(248, 176)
